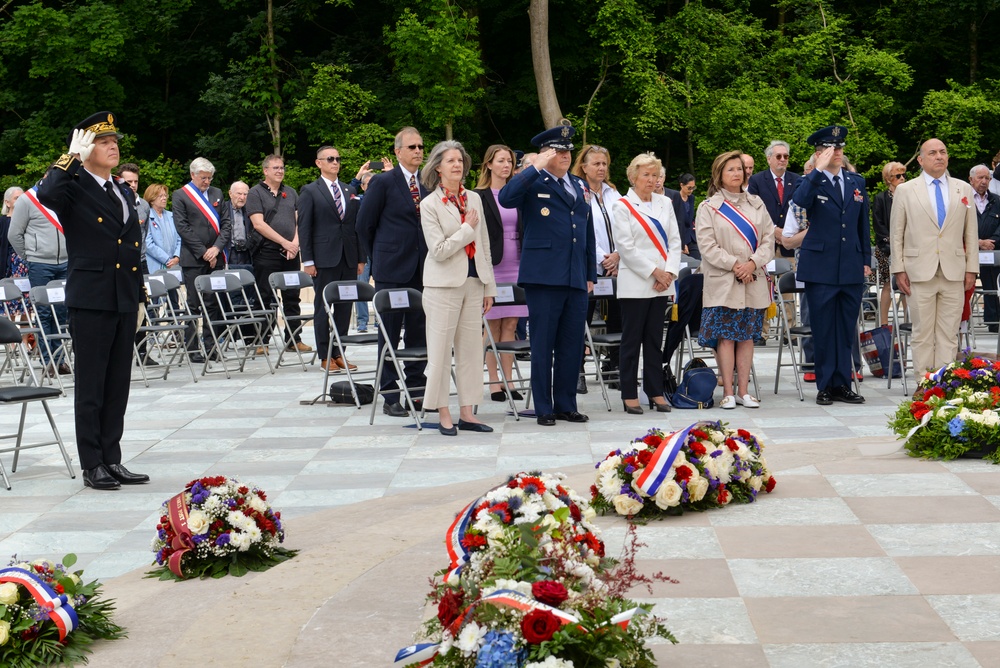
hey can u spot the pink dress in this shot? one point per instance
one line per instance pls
(506, 271)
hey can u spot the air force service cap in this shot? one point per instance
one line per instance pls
(101, 124)
(559, 138)
(831, 135)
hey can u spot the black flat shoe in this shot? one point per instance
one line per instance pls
(498, 396)
(846, 395)
(660, 408)
(632, 410)
(823, 398)
(515, 395)
(448, 431)
(394, 410)
(547, 420)
(100, 477)
(573, 416)
(126, 477)
(474, 426)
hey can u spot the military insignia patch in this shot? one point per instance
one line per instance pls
(544, 211)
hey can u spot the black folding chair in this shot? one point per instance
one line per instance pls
(231, 325)
(346, 292)
(280, 282)
(385, 302)
(604, 288)
(510, 294)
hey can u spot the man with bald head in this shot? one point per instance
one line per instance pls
(935, 255)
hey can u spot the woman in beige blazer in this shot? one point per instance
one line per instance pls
(736, 289)
(458, 285)
(649, 249)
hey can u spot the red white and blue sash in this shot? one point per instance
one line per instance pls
(49, 214)
(662, 247)
(457, 553)
(417, 655)
(200, 200)
(658, 469)
(58, 606)
(740, 223)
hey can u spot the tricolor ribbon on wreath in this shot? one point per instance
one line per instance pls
(658, 469)
(57, 606)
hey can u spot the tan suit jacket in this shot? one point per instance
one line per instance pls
(722, 246)
(447, 265)
(919, 246)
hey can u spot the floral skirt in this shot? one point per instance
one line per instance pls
(719, 322)
(883, 267)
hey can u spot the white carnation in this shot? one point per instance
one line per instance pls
(470, 638)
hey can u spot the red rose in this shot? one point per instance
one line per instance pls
(644, 457)
(996, 365)
(769, 485)
(450, 606)
(732, 445)
(652, 439)
(698, 449)
(539, 626)
(699, 434)
(473, 541)
(593, 491)
(683, 472)
(723, 494)
(744, 433)
(549, 592)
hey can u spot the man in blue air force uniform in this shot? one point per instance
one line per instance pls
(556, 270)
(834, 259)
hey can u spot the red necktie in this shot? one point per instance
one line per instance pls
(781, 189)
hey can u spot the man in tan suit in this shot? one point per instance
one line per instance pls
(935, 255)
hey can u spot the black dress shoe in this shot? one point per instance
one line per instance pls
(498, 396)
(196, 358)
(823, 398)
(660, 408)
(448, 431)
(632, 410)
(149, 361)
(515, 395)
(394, 409)
(572, 416)
(100, 478)
(126, 477)
(474, 426)
(547, 420)
(64, 369)
(847, 395)
(581, 385)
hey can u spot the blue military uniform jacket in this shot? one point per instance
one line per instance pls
(838, 245)
(104, 272)
(558, 246)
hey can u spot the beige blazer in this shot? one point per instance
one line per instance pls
(639, 256)
(919, 246)
(722, 246)
(447, 265)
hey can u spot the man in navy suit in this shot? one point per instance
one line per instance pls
(557, 270)
(988, 218)
(329, 246)
(390, 234)
(834, 259)
(103, 290)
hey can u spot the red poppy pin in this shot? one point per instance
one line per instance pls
(284, 195)
(965, 201)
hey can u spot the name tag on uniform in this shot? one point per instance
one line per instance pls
(505, 294)
(399, 299)
(986, 257)
(544, 195)
(604, 288)
(348, 291)
(821, 198)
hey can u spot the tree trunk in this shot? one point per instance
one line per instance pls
(538, 15)
(447, 131)
(274, 123)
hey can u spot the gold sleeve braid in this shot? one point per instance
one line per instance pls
(64, 161)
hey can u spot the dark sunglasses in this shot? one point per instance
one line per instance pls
(331, 158)
(415, 147)
(899, 176)
(781, 156)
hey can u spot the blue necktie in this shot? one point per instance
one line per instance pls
(569, 188)
(939, 201)
(836, 188)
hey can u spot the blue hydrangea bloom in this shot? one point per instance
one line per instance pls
(498, 651)
(955, 426)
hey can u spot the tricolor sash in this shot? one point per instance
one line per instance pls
(200, 200)
(457, 553)
(649, 232)
(658, 469)
(740, 223)
(50, 215)
(58, 606)
(416, 655)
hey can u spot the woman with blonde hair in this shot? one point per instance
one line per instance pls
(893, 174)
(736, 239)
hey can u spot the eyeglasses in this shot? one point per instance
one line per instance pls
(781, 156)
(331, 158)
(415, 147)
(901, 175)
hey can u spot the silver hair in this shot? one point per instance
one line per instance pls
(237, 183)
(769, 151)
(972, 172)
(811, 161)
(429, 175)
(398, 143)
(7, 194)
(201, 165)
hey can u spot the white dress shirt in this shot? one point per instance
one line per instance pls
(932, 194)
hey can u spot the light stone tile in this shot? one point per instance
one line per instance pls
(539, 463)
(283, 455)
(799, 470)
(373, 441)
(772, 511)
(820, 577)
(665, 542)
(424, 479)
(794, 421)
(900, 484)
(292, 432)
(937, 540)
(970, 617)
(339, 466)
(111, 565)
(712, 621)
(437, 451)
(971, 466)
(323, 497)
(857, 655)
(124, 499)
(55, 544)
(864, 430)
(182, 444)
(11, 522)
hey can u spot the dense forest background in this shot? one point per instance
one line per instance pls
(234, 80)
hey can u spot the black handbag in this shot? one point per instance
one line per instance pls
(697, 386)
(340, 393)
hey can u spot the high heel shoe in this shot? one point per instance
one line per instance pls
(660, 408)
(632, 410)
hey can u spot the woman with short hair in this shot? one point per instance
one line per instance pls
(163, 244)
(458, 286)
(893, 174)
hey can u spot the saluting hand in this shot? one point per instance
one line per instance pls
(81, 144)
(824, 158)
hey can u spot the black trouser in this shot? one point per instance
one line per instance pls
(642, 325)
(613, 324)
(991, 305)
(194, 306)
(688, 313)
(103, 343)
(341, 312)
(268, 260)
(416, 337)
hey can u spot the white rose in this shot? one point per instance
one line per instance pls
(257, 504)
(4, 632)
(589, 514)
(609, 464)
(756, 482)
(198, 522)
(697, 489)
(717, 437)
(75, 578)
(8, 594)
(626, 505)
(668, 495)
